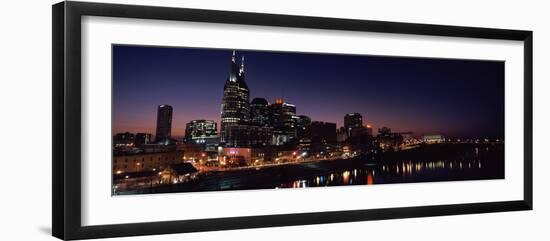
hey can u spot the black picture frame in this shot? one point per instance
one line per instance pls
(66, 75)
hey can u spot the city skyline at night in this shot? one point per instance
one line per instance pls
(458, 98)
(294, 120)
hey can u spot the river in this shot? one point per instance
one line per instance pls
(439, 162)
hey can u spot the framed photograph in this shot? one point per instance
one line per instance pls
(169, 120)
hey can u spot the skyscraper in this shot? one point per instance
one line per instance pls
(283, 117)
(352, 121)
(341, 134)
(302, 126)
(235, 109)
(289, 118)
(164, 124)
(259, 112)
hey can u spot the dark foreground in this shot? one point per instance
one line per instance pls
(430, 163)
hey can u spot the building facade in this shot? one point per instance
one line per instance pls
(164, 124)
(122, 140)
(234, 156)
(388, 140)
(235, 109)
(303, 124)
(369, 129)
(248, 136)
(143, 139)
(341, 134)
(353, 121)
(323, 132)
(283, 120)
(201, 132)
(145, 161)
(259, 112)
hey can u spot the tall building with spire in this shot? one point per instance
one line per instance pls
(235, 109)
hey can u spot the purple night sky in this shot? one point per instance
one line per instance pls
(456, 98)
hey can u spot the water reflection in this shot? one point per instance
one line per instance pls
(394, 172)
(424, 164)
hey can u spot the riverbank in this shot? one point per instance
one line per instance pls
(431, 163)
(425, 152)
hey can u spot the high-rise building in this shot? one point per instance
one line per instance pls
(201, 132)
(323, 132)
(302, 126)
(259, 112)
(359, 131)
(164, 124)
(143, 139)
(235, 109)
(283, 119)
(341, 134)
(276, 114)
(352, 121)
(369, 129)
(289, 117)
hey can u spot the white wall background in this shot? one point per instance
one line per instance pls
(25, 120)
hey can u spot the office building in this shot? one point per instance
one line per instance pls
(259, 112)
(323, 132)
(235, 109)
(125, 139)
(164, 124)
(352, 121)
(201, 132)
(303, 124)
(143, 139)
